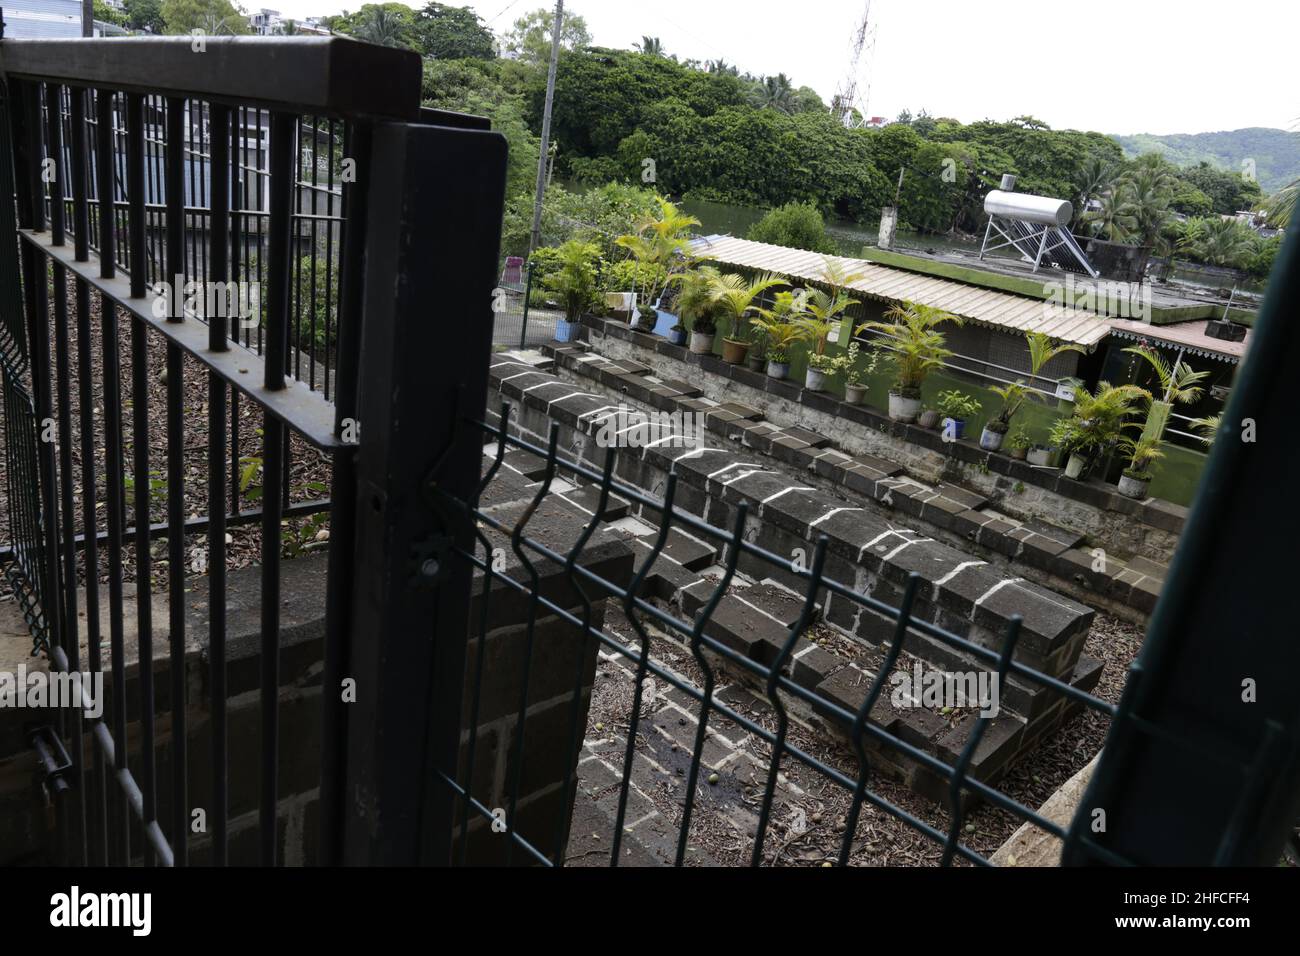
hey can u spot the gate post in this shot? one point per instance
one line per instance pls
(436, 197)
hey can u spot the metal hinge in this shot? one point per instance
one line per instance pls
(53, 764)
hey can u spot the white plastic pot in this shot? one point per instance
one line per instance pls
(903, 409)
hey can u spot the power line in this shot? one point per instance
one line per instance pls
(508, 8)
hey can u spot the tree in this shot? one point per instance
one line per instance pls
(1218, 242)
(650, 46)
(144, 15)
(778, 93)
(453, 33)
(213, 17)
(530, 38)
(796, 225)
(387, 24)
(107, 14)
(383, 27)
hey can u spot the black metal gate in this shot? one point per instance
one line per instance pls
(370, 227)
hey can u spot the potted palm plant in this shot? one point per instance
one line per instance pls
(781, 339)
(1099, 421)
(916, 348)
(695, 302)
(661, 244)
(1142, 453)
(823, 312)
(734, 299)
(957, 408)
(787, 306)
(573, 283)
(1014, 395)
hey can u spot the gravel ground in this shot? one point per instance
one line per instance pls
(309, 469)
(808, 817)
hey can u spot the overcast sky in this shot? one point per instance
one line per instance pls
(1117, 66)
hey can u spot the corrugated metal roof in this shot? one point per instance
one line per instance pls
(1185, 335)
(1002, 310)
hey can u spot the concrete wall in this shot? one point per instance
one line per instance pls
(27, 832)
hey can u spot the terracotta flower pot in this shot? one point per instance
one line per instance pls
(733, 351)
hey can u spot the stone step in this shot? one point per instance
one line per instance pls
(691, 552)
(588, 498)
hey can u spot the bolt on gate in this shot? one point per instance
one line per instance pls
(329, 238)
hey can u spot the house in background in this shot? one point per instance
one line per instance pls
(42, 19)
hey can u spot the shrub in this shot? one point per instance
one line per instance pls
(797, 225)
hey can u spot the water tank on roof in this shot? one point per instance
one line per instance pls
(1038, 209)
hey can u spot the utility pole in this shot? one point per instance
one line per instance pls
(544, 153)
(87, 18)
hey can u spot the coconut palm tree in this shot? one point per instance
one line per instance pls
(1282, 205)
(778, 93)
(383, 28)
(1146, 194)
(651, 46)
(1218, 242)
(1094, 178)
(1112, 221)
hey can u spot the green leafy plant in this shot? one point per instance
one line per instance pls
(1019, 438)
(734, 298)
(1209, 428)
(1014, 395)
(781, 339)
(662, 244)
(1141, 454)
(573, 281)
(958, 405)
(915, 347)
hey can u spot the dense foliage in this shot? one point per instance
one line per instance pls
(797, 225)
(643, 119)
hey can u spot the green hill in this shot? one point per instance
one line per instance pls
(1275, 151)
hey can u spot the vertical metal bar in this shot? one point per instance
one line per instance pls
(278, 303)
(283, 163)
(142, 494)
(98, 823)
(528, 293)
(71, 633)
(112, 397)
(343, 507)
(218, 341)
(175, 192)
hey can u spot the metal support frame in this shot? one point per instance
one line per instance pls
(1034, 241)
(408, 637)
